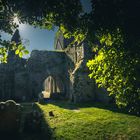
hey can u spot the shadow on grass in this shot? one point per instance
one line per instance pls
(73, 106)
(43, 133)
(32, 126)
(47, 132)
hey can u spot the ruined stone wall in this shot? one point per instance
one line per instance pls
(43, 64)
(82, 88)
(23, 80)
(13, 83)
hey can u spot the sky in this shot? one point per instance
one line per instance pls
(35, 38)
(40, 39)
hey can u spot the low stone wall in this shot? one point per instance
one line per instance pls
(9, 117)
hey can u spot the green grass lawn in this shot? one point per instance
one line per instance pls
(89, 122)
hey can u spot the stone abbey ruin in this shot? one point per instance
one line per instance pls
(59, 74)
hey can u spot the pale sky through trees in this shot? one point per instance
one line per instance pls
(40, 39)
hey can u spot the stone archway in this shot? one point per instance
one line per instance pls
(52, 85)
(59, 85)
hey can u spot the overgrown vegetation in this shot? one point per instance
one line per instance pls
(115, 68)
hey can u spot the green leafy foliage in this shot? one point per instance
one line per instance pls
(19, 50)
(43, 13)
(3, 55)
(114, 69)
(78, 35)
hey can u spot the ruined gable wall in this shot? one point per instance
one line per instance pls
(82, 88)
(43, 64)
(27, 79)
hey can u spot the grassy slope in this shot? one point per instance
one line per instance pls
(74, 122)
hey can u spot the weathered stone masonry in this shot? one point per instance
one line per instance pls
(61, 72)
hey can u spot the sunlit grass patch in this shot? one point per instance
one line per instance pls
(89, 123)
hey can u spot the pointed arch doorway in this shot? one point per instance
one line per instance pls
(52, 86)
